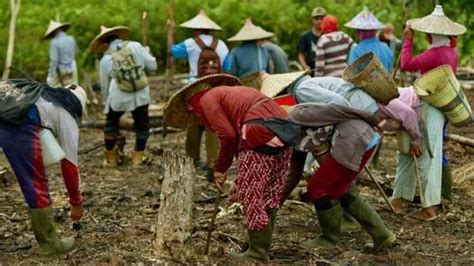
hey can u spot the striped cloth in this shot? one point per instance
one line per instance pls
(430, 168)
(332, 51)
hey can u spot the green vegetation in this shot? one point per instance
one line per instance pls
(287, 18)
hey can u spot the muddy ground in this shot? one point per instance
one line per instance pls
(122, 205)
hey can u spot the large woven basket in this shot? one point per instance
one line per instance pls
(368, 74)
(440, 88)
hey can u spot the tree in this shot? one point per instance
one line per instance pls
(15, 9)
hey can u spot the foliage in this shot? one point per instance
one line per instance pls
(287, 18)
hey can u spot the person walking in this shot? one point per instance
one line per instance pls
(125, 88)
(277, 55)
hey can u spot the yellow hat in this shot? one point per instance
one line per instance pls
(250, 32)
(201, 21)
(98, 45)
(276, 83)
(53, 26)
(437, 23)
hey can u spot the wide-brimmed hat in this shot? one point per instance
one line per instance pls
(250, 32)
(201, 21)
(318, 12)
(55, 25)
(365, 20)
(437, 23)
(98, 45)
(272, 85)
(175, 112)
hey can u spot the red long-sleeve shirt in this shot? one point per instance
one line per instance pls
(225, 109)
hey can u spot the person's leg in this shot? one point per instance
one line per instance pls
(405, 183)
(193, 143)
(447, 178)
(142, 132)
(111, 133)
(297, 162)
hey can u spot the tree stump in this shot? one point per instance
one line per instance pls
(174, 225)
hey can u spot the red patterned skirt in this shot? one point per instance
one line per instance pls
(259, 183)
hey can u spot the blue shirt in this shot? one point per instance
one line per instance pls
(61, 55)
(249, 58)
(380, 49)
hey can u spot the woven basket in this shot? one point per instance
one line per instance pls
(440, 88)
(368, 74)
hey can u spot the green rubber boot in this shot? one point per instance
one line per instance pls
(372, 223)
(330, 224)
(259, 243)
(348, 223)
(46, 235)
(446, 182)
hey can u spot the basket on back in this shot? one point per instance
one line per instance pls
(368, 74)
(440, 88)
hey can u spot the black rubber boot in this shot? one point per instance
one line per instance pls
(446, 182)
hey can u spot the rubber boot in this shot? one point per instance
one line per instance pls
(137, 158)
(111, 159)
(46, 235)
(330, 224)
(348, 223)
(446, 182)
(272, 214)
(372, 223)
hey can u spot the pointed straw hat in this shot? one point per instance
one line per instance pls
(175, 112)
(276, 83)
(201, 21)
(55, 25)
(98, 45)
(437, 23)
(250, 32)
(365, 20)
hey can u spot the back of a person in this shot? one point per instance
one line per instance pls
(380, 49)
(443, 55)
(279, 57)
(66, 46)
(194, 51)
(249, 58)
(335, 47)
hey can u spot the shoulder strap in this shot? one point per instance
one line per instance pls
(214, 43)
(200, 43)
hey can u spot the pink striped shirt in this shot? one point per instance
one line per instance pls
(332, 51)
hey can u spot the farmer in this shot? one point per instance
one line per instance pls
(191, 49)
(332, 49)
(309, 39)
(124, 87)
(278, 56)
(235, 113)
(27, 108)
(62, 52)
(249, 57)
(353, 141)
(367, 25)
(387, 35)
(442, 50)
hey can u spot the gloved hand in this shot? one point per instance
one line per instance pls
(76, 212)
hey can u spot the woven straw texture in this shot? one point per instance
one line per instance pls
(437, 23)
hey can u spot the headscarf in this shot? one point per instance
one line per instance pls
(366, 34)
(329, 24)
(437, 40)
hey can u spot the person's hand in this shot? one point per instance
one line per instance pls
(408, 32)
(232, 194)
(76, 212)
(170, 25)
(219, 178)
(307, 69)
(415, 150)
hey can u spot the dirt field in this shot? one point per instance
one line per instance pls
(122, 205)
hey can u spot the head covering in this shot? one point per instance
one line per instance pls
(366, 34)
(53, 26)
(329, 24)
(250, 32)
(437, 40)
(365, 20)
(98, 45)
(437, 23)
(318, 12)
(201, 21)
(176, 113)
(276, 83)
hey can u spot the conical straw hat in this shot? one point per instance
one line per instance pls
(54, 25)
(437, 23)
(98, 46)
(250, 32)
(276, 83)
(365, 20)
(201, 21)
(175, 112)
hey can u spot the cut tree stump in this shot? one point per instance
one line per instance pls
(174, 225)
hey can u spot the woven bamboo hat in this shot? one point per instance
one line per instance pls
(437, 23)
(365, 20)
(55, 25)
(250, 32)
(175, 112)
(276, 83)
(201, 21)
(98, 45)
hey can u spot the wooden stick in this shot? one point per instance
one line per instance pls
(213, 222)
(380, 189)
(418, 179)
(405, 18)
(145, 28)
(15, 9)
(460, 139)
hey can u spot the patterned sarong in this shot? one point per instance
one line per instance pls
(260, 182)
